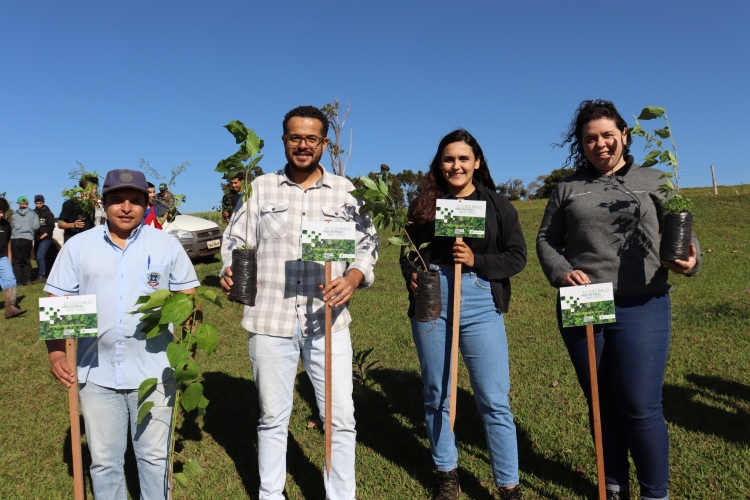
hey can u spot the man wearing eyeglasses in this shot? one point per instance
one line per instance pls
(289, 314)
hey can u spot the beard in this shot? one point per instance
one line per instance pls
(301, 169)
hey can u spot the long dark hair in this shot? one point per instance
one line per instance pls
(435, 184)
(587, 111)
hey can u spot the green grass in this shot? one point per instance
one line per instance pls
(706, 392)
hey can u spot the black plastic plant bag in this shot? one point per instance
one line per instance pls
(676, 236)
(427, 305)
(244, 276)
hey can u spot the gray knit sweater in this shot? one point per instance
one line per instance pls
(607, 226)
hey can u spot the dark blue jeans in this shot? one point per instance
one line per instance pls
(631, 356)
(41, 254)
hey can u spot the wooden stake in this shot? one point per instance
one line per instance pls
(594, 384)
(75, 423)
(328, 375)
(713, 177)
(454, 338)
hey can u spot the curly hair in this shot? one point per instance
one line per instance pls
(587, 111)
(307, 112)
(4, 205)
(435, 184)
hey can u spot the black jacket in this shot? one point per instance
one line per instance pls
(46, 222)
(503, 255)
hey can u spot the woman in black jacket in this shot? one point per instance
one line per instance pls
(460, 171)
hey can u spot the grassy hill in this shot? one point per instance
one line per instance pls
(706, 393)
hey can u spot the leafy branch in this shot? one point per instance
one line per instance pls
(363, 370)
(661, 154)
(386, 213)
(245, 160)
(159, 309)
(88, 197)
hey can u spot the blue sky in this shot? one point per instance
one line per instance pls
(107, 83)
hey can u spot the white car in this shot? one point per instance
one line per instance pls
(199, 237)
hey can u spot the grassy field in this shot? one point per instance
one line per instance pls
(706, 392)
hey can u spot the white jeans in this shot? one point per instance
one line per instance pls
(275, 361)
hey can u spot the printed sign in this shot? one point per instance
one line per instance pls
(68, 317)
(587, 304)
(328, 241)
(460, 218)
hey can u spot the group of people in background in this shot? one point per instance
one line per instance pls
(602, 224)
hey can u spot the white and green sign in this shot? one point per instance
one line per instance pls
(587, 304)
(68, 317)
(460, 218)
(328, 241)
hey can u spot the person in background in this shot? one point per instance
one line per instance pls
(118, 262)
(7, 278)
(75, 216)
(43, 238)
(151, 218)
(229, 200)
(24, 225)
(165, 196)
(459, 171)
(602, 224)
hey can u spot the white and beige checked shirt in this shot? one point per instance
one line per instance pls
(287, 287)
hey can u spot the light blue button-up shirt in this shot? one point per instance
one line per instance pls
(91, 264)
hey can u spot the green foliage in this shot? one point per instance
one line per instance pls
(179, 199)
(245, 160)
(88, 197)
(513, 189)
(363, 370)
(386, 213)
(158, 310)
(661, 154)
(550, 182)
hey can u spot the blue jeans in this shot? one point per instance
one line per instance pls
(484, 347)
(7, 277)
(275, 361)
(107, 414)
(40, 252)
(631, 357)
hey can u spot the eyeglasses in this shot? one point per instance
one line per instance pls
(311, 140)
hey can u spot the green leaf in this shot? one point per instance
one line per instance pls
(395, 240)
(154, 330)
(663, 132)
(369, 183)
(664, 157)
(176, 354)
(208, 337)
(209, 295)
(146, 388)
(202, 406)
(156, 299)
(382, 187)
(192, 396)
(238, 130)
(177, 309)
(254, 162)
(423, 245)
(144, 410)
(651, 158)
(252, 144)
(192, 469)
(142, 299)
(186, 372)
(651, 112)
(180, 479)
(669, 185)
(672, 158)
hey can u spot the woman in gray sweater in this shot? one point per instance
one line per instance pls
(602, 224)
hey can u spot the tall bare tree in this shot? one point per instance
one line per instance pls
(332, 110)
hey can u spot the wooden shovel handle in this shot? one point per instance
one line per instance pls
(454, 338)
(328, 375)
(594, 385)
(75, 423)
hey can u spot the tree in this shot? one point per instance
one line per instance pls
(513, 189)
(411, 184)
(533, 189)
(551, 180)
(332, 111)
(395, 190)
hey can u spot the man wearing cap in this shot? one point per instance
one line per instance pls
(24, 224)
(7, 278)
(43, 238)
(118, 262)
(76, 218)
(165, 196)
(287, 321)
(230, 199)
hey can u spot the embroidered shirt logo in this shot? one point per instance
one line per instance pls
(153, 279)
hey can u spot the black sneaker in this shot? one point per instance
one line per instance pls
(446, 485)
(509, 494)
(617, 495)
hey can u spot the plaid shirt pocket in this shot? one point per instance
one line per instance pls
(273, 219)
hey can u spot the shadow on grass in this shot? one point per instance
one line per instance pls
(211, 280)
(131, 468)
(683, 407)
(232, 419)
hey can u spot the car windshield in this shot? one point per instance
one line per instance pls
(161, 208)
